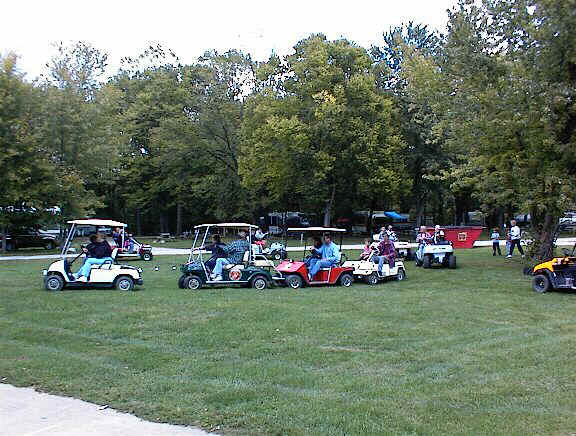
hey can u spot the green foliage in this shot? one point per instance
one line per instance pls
(319, 132)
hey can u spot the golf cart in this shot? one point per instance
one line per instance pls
(138, 251)
(556, 273)
(276, 250)
(367, 270)
(403, 248)
(255, 271)
(296, 272)
(440, 252)
(108, 275)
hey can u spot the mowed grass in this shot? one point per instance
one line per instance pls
(469, 351)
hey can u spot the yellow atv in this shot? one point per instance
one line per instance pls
(556, 273)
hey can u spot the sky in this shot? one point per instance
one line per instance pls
(189, 28)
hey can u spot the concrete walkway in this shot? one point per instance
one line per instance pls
(25, 412)
(163, 251)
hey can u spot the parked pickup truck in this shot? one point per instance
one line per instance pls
(568, 220)
(29, 237)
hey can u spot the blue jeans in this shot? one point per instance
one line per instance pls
(316, 264)
(220, 262)
(381, 260)
(85, 269)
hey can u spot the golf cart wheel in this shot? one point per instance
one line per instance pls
(372, 279)
(426, 262)
(346, 280)
(294, 281)
(49, 246)
(181, 281)
(401, 274)
(193, 283)
(124, 283)
(452, 262)
(541, 283)
(147, 257)
(259, 283)
(54, 283)
(277, 255)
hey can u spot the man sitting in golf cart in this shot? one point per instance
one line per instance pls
(439, 235)
(234, 255)
(330, 256)
(98, 251)
(423, 238)
(386, 253)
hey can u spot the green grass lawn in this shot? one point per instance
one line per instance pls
(470, 351)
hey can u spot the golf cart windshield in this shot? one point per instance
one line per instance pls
(77, 224)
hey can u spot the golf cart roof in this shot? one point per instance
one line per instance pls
(97, 222)
(316, 229)
(230, 225)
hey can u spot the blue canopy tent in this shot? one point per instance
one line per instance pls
(395, 216)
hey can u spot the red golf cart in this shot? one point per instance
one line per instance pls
(296, 272)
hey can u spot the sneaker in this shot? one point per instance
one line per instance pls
(509, 256)
(217, 278)
(523, 256)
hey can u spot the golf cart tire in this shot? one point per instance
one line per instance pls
(426, 262)
(541, 283)
(193, 283)
(372, 279)
(401, 274)
(259, 283)
(147, 257)
(277, 255)
(452, 262)
(294, 281)
(124, 283)
(54, 283)
(181, 281)
(346, 280)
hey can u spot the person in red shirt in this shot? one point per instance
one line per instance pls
(386, 253)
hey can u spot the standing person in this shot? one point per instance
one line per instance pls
(391, 234)
(117, 236)
(234, 253)
(386, 254)
(98, 251)
(495, 237)
(515, 235)
(330, 256)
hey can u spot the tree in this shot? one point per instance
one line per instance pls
(30, 179)
(319, 130)
(507, 85)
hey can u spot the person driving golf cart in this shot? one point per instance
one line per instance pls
(386, 253)
(98, 251)
(234, 254)
(315, 251)
(423, 238)
(217, 249)
(330, 256)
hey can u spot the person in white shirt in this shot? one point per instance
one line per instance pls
(391, 234)
(515, 234)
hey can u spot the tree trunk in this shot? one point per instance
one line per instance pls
(420, 211)
(4, 233)
(138, 223)
(329, 207)
(545, 228)
(369, 224)
(178, 219)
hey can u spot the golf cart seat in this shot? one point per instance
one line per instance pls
(261, 261)
(245, 259)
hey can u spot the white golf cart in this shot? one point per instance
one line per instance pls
(367, 270)
(441, 253)
(138, 251)
(108, 275)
